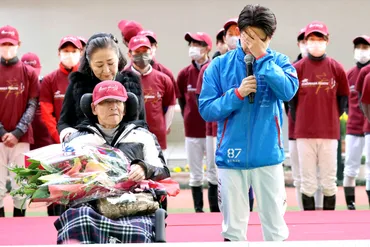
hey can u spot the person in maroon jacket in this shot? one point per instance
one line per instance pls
(316, 108)
(200, 44)
(293, 153)
(355, 140)
(129, 29)
(52, 91)
(159, 91)
(19, 92)
(41, 134)
(54, 85)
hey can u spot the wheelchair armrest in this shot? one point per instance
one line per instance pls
(160, 225)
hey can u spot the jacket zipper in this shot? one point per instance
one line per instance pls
(278, 130)
(223, 133)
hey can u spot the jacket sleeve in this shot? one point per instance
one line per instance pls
(280, 76)
(154, 163)
(68, 113)
(47, 109)
(214, 104)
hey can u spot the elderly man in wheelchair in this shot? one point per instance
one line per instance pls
(111, 120)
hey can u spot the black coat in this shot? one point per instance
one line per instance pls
(80, 83)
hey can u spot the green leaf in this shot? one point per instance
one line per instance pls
(42, 192)
(34, 165)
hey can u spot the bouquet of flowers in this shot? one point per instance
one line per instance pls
(65, 174)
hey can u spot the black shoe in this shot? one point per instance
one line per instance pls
(251, 203)
(213, 198)
(349, 193)
(368, 195)
(226, 240)
(2, 212)
(19, 212)
(329, 202)
(308, 202)
(197, 193)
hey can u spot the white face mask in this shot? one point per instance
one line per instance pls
(194, 53)
(316, 48)
(8, 52)
(303, 49)
(362, 56)
(70, 59)
(232, 42)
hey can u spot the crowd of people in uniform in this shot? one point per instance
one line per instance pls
(37, 111)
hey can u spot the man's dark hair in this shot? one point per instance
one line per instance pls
(255, 15)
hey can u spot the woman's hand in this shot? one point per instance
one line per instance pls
(136, 173)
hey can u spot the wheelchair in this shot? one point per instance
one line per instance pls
(131, 114)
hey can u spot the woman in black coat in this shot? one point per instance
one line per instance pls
(102, 60)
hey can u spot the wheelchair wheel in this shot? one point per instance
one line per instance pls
(160, 225)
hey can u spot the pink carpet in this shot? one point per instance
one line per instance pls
(304, 226)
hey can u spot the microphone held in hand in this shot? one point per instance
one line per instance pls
(249, 60)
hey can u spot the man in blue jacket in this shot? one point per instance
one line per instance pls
(249, 138)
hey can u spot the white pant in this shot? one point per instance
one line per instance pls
(314, 155)
(296, 173)
(195, 151)
(11, 156)
(269, 188)
(354, 148)
(367, 156)
(210, 158)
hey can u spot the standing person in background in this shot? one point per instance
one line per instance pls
(316, 108)
(52, 91)
(293, 153)
(83, 43)
(129, 29)
(220, 43)
(41, 134)
(54, 85)
(159, 92)
(355, 141)
(250, 149)
(200, 44)
(19, 92)
(232, 33)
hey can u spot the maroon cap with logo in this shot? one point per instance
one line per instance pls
(109, 90)
(149, 34)
(230, 22)
(199, 36)
(137, 42)
(9, 34)
(31, 59)
(131, 29)
(316, 27)
(70, 39)
(361, 38)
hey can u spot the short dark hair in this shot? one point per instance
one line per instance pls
(100, 41)
(255, 15)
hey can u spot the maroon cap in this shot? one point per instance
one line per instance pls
(9, 34)
(137, 42)
(316, 27)
(71, 39)
(230, 22)
(109, 90)
(31, 59)
(220, 34)
(149, 34)
(199, 36)
(121, 24)
(362, 38)
(82, 40)
(131, 29)
(301, 33)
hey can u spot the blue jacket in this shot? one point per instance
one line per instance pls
(248, 135)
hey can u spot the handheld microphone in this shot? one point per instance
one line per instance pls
(249, 60)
